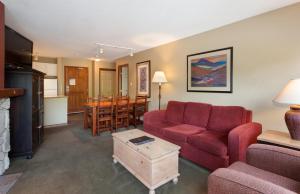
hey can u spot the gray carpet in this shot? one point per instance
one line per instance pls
(7, 181)
(72, 161)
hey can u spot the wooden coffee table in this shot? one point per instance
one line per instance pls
(154, 163)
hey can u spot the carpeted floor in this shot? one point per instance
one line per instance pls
(7, 181)
(72, 161)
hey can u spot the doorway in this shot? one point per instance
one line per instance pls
(123, 80)
(107, 80)
(76, 87)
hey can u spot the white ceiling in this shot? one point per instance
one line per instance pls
(70, 28)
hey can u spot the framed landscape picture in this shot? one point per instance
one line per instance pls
(210, 71)
(143, 71)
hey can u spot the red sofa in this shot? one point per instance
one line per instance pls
(211, 136)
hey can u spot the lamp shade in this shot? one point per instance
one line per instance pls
(159, 77)
(290, 94)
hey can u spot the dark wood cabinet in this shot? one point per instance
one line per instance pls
(1, 45)
(27, 112)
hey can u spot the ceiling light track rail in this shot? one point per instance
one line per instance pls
(115, 46)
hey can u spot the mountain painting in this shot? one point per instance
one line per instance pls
(209, 71)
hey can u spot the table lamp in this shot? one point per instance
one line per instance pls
(159, 77)
(290, 94)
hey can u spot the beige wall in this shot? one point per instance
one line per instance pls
(93, 69)
(42, 59)
(62, 62)
(266, 56)
(97, 66)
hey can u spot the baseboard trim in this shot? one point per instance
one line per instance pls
(56, 125)
(78, 112)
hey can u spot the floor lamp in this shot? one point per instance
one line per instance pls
(159, 77)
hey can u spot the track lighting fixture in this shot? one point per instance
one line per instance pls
(114, 46)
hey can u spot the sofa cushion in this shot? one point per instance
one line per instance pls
(285, 182)
(196, 113)
(210, 141)
(180, 133)
(175, 111)
(225, 118)
(158, 125)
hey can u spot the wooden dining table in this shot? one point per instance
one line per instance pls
(93, 106)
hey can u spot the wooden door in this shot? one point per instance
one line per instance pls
(76, 87)
(123, 81)
(107, 82)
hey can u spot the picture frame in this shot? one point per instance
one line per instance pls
(210, 71)
(143, 83)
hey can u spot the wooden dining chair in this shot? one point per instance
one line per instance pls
(104, 115)
(138, 110)
(122, 112)
(90, 112)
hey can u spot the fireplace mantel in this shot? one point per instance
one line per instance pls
(11, 92)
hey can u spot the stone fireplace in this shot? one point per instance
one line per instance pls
(4, 134)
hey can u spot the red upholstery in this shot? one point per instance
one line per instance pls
(153, 121)
(269, 169)
(175, 111)
(181, 132)
(287, 161)
(203, 158)
(211, 142)
(155, 115)
(225, 118)
(240, 138)
(229, 131)
(196, 114)
(158, 126)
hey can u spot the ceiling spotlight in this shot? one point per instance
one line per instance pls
(97, 59)
(101, 51)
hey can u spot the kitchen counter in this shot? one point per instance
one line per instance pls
(55, 110)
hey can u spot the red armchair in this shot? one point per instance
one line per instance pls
(211, 136)
(268, 169)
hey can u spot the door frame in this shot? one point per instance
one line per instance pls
(104, 69)
(119, 68)
(65, 81)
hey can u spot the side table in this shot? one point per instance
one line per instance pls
(278, 138)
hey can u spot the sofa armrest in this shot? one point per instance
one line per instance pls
(156, 115)
(240, 138)
(225, 181)
(281, 161)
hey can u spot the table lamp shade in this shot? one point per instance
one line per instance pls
(290, 94)
(159, 77)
